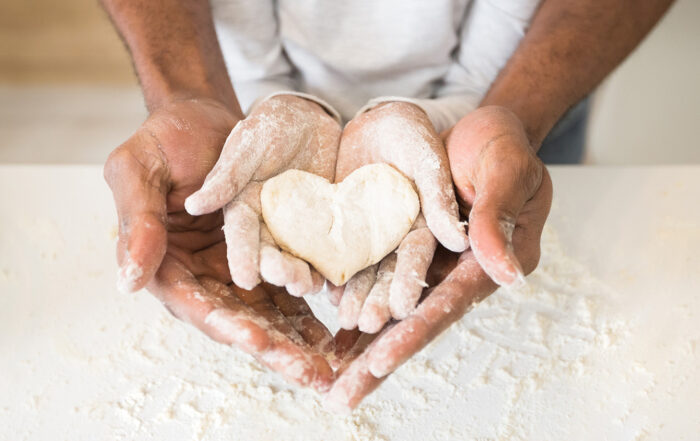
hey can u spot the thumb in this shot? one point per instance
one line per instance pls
(239, 160)
(137, 176)
(500, 195)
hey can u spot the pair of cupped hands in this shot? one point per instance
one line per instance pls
(187, 190)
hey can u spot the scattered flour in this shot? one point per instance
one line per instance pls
(492, 364)
(534, 363)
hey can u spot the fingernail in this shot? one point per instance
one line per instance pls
(518, 282)
(378, 371)
(128, 275)
(333, 405)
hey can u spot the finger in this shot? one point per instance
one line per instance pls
(287, 353)
(375, 312)
(225, 320)
(439, 204)
(137, 176)
(335, 293)
(234, 323)
(354, 381)
(356, 292)
(242, 231)
(345, 341)
(299, 314)
(500, 197)
(465, 285)
(282, 269)
(260, 301)
(317, 281)
(239, 159)
(413, 259)
(298, 364)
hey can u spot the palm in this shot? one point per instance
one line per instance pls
(401, 135)
(182, 258)
(504, 189)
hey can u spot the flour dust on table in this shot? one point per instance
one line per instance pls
(516, 367)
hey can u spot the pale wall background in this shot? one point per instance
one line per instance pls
(67, 92)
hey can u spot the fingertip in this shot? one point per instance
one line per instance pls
(192, 204)
(372, 319)
(227, 327)
(378, 371)
(493, 249)
(333, 404)
(378, 363)
(397, 345)
(335, 293)
(291, 364)
(201, 202)
(402, 298)
(214, 194)
(519, 281)
(506, 272)
(323, 381)
(449, 231)
(317, 281)
(347, 321)
(245, 281)
(146, 244)
(282, 269)
(129, 277)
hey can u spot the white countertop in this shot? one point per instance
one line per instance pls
(80, 361)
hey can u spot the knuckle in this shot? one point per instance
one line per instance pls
(119, 160)
(532, 174)
(145, 165)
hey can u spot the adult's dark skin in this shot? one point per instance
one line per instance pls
(180, 258)
(571, 46)
(502, 186)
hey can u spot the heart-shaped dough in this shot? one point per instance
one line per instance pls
(340, 228)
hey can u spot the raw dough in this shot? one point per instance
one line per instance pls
(340, 228)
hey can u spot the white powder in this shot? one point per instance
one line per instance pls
(493, 365)
(547, 361)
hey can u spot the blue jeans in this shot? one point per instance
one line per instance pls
(564, 143)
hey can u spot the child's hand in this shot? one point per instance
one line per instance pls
(283, 132)
(401, 135)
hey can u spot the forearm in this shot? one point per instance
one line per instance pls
(570, 47)
(174, 49)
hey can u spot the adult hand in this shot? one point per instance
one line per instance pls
(399, 134)
(283, 132)
(507, 192)
(181, 258)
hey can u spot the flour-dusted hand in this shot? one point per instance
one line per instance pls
(283, 132)
(507, 192)
(401, 135)
(181, 258)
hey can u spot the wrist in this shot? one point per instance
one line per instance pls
(174, 49)
(318, 104)
(535, 114)
(163, 86)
